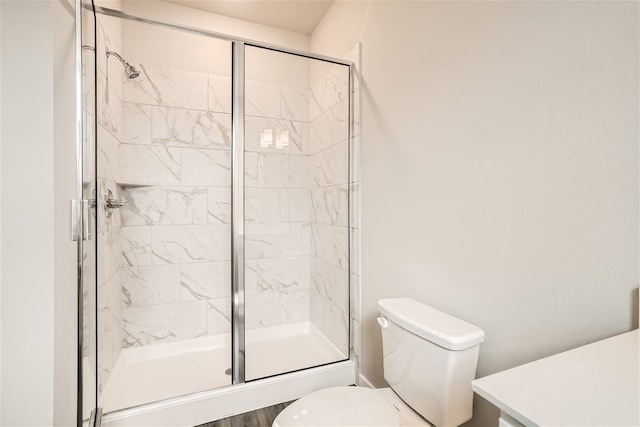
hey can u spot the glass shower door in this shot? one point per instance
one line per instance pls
(163, 186)
(296, 212)
(163, 213)
(86, 208)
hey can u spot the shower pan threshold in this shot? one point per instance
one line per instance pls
(157, 372)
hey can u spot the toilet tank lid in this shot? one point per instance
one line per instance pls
(431, 324)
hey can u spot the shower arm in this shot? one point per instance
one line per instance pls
(117, 55)
(129, 69)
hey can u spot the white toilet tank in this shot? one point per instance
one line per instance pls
(430, 359)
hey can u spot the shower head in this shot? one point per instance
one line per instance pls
(129, 69)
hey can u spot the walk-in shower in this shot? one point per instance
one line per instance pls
(218, 179)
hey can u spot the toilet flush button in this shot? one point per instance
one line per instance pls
(383, 322)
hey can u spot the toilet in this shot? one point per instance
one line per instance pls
(430, 359)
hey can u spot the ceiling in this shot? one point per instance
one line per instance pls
(301, 16)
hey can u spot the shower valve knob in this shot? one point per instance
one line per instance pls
(110, 204)
(115, 203)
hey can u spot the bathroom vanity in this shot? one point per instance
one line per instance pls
(594, 385)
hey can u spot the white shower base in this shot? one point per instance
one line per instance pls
(154, 373)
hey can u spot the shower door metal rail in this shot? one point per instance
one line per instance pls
(237, 214)
(238, 146)
(221, 36)
(80, 213)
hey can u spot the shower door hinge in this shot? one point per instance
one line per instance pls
(80, 219)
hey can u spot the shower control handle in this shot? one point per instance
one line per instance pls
(110, 204)
(115, 203)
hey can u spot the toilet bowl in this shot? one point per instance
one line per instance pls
(430, 359)
(350, 406)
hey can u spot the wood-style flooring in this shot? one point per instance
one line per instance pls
(259, 418)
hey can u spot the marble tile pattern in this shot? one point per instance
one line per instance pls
(355, 55)
(330, 184)
(108, 128)
(89, 278)
(175, 174)
(175, 169)
(164, 147)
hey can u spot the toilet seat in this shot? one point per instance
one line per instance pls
(339, 406)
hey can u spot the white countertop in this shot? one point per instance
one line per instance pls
(594, 385)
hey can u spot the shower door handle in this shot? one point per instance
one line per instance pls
(86, 220)
(80, 229)
(74, 220)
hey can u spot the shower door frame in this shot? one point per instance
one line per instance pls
(237, 203)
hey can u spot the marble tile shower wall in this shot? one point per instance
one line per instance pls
(89, 278)
(277, 206)
(354, 212)
(175, 168)
(165, 148)
(329, 157)
(109, 251)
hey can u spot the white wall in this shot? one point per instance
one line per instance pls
(500, 169)
(27, 214)
(0, 216)
(169, 12)
(37, 296)
(204, 54)
(64, 176)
